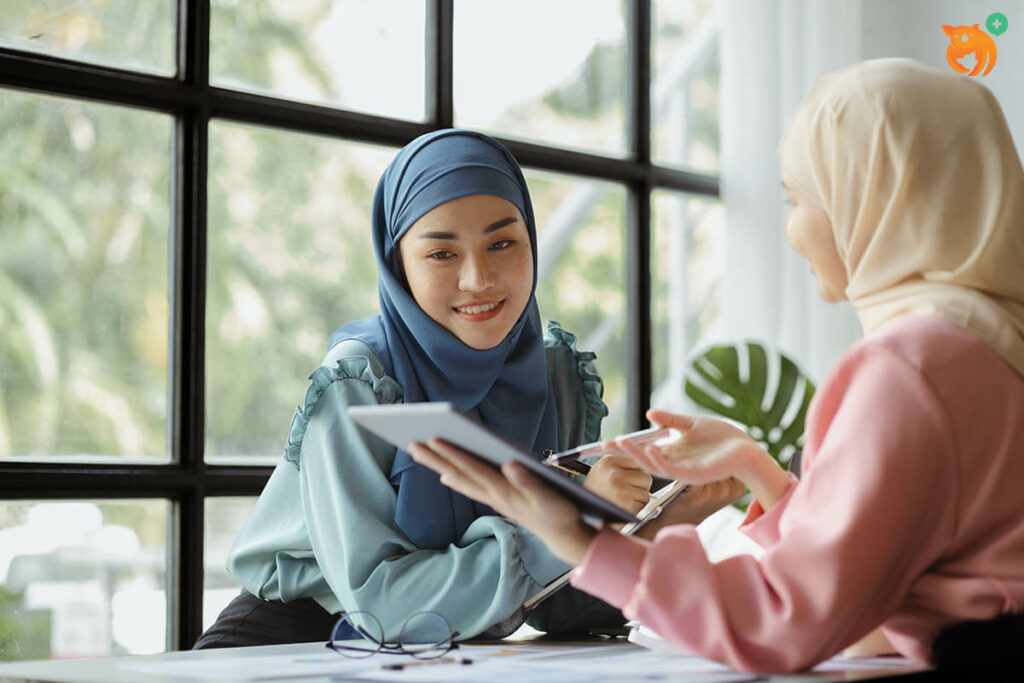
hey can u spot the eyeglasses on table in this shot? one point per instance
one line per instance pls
(424, 635)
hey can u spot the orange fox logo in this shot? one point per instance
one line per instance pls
(965, 40)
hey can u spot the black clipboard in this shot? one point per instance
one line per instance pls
(402, 424)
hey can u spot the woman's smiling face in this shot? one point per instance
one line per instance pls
(469, 266)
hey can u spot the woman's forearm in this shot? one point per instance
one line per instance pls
(765, 478)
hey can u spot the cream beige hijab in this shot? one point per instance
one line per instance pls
(918, 173)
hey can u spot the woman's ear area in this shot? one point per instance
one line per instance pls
(399, 266)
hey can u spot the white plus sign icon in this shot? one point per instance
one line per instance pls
(996, 23)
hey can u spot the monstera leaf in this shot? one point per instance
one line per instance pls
(763, 391)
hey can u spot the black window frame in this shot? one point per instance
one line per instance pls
(187, 480)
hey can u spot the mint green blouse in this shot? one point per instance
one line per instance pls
(324, 525)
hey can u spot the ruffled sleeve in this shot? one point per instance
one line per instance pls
(324, 525)
(356, 367)
(577, 386)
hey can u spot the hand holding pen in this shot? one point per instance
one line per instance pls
(615, 477)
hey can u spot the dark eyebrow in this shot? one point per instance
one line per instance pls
(496, 225)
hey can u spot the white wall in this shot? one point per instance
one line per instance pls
(911, 28)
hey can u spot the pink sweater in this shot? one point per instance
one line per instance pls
(909, 512)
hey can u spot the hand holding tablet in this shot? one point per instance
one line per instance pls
(402, 424)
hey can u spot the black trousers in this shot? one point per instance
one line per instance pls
(247, 620)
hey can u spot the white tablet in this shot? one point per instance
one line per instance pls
(402, 424)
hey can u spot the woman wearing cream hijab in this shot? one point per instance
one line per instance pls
(907, 199)
(928, 210)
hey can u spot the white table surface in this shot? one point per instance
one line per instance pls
(532, 660)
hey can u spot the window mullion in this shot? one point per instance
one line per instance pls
(638, 227)
(440, 27)
(188, 307)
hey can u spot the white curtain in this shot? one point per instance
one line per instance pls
(768, 293)
(772, 50)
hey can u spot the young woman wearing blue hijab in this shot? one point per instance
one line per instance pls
(347, 522)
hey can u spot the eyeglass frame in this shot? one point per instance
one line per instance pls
(390, 648)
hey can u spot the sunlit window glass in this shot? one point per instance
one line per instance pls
(365, 55)
(549, 72)
(83, 578)
(224, 519)
(127, 34)
(686, 270)
(685, 84)
(581, 269)
(84, 220)
(289, 261)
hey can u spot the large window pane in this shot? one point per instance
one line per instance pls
(290, 260)
(121, 33)
(224, 519)
(582, 272)
(550, 72)
(366, 55)
(687, 261)
(84, 217)
(83, 579)
(685, 84)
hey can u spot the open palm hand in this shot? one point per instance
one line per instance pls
(707, 450)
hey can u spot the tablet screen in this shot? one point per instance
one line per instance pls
(404, 423)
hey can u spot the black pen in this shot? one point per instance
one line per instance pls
(423, 662)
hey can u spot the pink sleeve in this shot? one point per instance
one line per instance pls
(873, 512)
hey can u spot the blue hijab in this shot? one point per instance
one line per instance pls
(505, 387)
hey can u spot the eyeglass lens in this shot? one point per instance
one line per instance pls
(426, 635)
(357, 634)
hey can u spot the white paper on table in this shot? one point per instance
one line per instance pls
(643, 635)
(253, 668)
(612, 661)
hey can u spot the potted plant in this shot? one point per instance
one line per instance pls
(761, 390)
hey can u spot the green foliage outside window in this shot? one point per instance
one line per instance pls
(85, 202)
(24, 634)
(86, 233)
